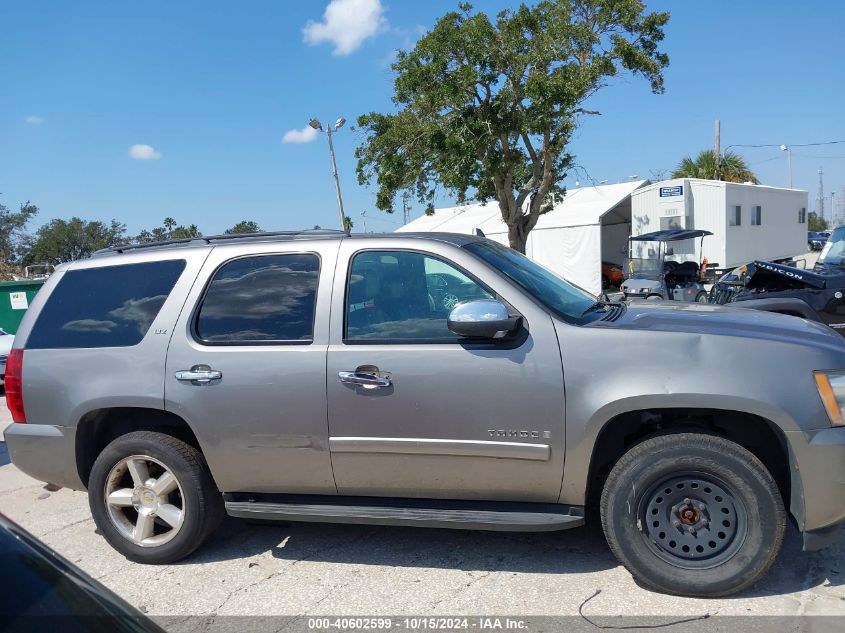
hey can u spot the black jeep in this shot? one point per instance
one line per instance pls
(817, 294)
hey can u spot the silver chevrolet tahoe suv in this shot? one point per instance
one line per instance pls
(429, 380)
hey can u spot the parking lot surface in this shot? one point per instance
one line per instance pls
(361, 570)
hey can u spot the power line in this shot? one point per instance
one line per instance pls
(787, 144)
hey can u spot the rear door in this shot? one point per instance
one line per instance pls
(458, 420)
(246, 366)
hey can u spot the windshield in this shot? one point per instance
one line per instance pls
(833, 253)
(643, 268)
(557, 294)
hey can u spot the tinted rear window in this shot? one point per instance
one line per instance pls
(112, 306)
(261, 299)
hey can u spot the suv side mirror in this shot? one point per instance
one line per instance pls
(484, 318)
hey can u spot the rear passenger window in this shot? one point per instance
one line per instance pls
(262, 299)
(110, 306)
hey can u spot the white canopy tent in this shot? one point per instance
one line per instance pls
(588, 226)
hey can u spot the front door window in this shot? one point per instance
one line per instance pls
(401, 295)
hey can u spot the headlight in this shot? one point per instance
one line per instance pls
(831, 386)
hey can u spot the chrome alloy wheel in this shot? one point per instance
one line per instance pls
(450, 300)
(144, 501)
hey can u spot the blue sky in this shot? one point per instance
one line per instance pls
(207, 90)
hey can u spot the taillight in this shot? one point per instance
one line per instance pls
(14, 385)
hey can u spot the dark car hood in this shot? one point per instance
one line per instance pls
(708, 319)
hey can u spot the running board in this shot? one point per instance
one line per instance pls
(461, 515)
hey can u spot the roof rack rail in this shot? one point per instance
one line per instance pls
(208, 239)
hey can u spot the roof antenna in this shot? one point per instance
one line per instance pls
(479, 233)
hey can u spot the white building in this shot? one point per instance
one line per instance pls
(748, 222)
(590, 225)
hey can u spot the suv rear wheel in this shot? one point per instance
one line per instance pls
(153, 498)
(693, 514)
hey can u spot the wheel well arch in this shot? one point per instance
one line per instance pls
(757, 434)
(96, 429)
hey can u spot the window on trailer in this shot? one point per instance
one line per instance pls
(802, 215)
(670, 222)
(735, 216)
(756, 216)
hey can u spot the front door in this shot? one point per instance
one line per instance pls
(438, 417)
(246, 366)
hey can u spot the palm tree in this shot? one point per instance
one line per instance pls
(732, 168)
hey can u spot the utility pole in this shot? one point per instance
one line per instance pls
(821, 193)
(717, 152)
(832, 209)
(788, 150)
(406, 208)
(364, 221)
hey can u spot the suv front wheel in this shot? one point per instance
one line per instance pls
(153, 498)
(693, 514)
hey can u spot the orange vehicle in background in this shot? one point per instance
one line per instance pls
(611, 275)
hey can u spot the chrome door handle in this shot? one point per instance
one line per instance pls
(199, 373)
(367, 381)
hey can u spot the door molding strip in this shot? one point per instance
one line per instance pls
(426, 446)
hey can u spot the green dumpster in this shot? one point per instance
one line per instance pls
(15, 297)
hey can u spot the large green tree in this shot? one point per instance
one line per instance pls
(13, 237)
(486, 108)
(731, 167)
(61, 241)
(244, 226)
(815, 222)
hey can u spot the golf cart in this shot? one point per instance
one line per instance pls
(654, 277)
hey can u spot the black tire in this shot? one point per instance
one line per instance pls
(732, 560)
(654, 298)
(701, 297)
(200, 499)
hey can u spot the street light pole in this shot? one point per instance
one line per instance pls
(788, 150)
(315, 123)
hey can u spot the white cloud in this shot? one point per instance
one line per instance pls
(34, 119)
(305, 135)
(346, 24)
(144, 152)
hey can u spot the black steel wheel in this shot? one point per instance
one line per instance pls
(692, 521)
(693, 514)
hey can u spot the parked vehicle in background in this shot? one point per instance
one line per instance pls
(313, 376)
(447, 289)
(35, 272)
(817, 294)
(816, 241)
(728, 285)
(653, 276)
(47, 592)
(611, 275)
(6, 341)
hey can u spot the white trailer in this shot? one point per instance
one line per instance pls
(748, 221)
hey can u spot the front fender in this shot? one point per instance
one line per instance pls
(581, 442)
